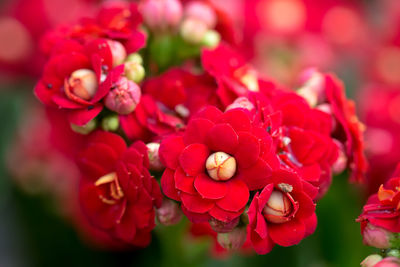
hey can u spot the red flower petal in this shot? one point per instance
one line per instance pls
(196, 217)
(222, 137)
(170, 150)
(114, 141)
(208, 188)
(196, 131)
(184, 182)
(236, 118)
(287, 177)
(248, 150)
(306, 205)
(255, 177)
(223, 215)
(287, 234)
(193, 159)
(237, 196)
(83, 116)
(311, 224)
(260, 245)
(210, 113)
(196, 204)
(168, 185)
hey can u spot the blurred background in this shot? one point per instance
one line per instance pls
(39, 224)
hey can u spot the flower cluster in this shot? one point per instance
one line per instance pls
(176, 121)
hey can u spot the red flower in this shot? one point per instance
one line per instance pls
(234, 77)
(117, 193)
(350, 129)
(383, 208)
(214, 164)
(148, 122)
(283, 213)
(181, 90)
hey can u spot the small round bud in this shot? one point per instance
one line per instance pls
(233, 240)
(341, 162)
(134, 57)
(375, 236)
(278, 208)
(309, 95)
(388, 262)
(201, 11)
(161, 15)
(110, 123)
(83, 84)
(221, 166)
(193, 31)
(223, 227)
(134, 71)
(118, 52)
(124, 98)
(85, 129)
(211, 39)
(393, 253)
(169, 213)
(154, 157)
(371, 260)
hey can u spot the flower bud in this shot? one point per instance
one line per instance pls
(201, 11)
(134, 57)
(279, 207)
(193, 31)
(134, 71)
(124, 97)
(371, 260)
(85, 129)
(309, 95)
(221, 166)
(169, 213)
(313, 88)
(223, 227)
(233, 240)
(82, 84)
(118, 52)
(110, 123)
(341, 162)
(388, 262)
(161, 15)
(154, 157)
(241, 102)
(211, 39)
(376, 236)
(393, 253)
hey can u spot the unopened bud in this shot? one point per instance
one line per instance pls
(393, 253)
(309, 95)
(154, 157)
(161, 15)
(371, 260)
(110, 123)
(376, 236)
(223, 227)
(134, 71)
(341, 162)
(169, 213)
(279, 207)
(221, 166)
(118, 52)
(233, 240)
(388, 262)
(85, 129)
(134, 57)
(193, 31)
(211, 39)
(124, 98)
(82, 84)
(201, 11)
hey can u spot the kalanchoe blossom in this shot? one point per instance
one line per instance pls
(348, 129)
(380, 216)
(117, 193)
(223, 193)
(283, 213)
